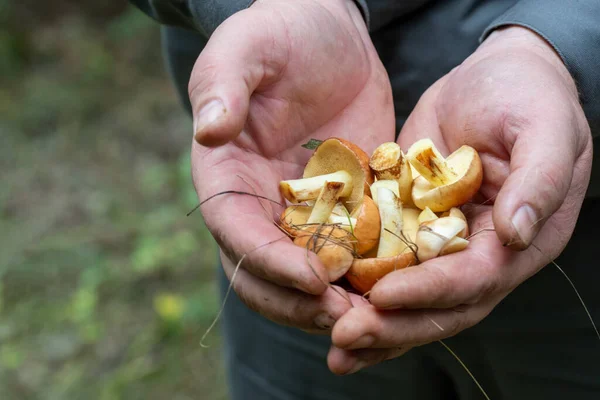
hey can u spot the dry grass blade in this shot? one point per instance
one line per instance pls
(232, 192)
(466, 369)
(574, 289)
(237, 267)
(212, 325)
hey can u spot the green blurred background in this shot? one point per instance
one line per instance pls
(106, 287)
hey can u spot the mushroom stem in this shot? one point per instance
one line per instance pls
(298, 190)
(389, 162)
(385, 183)
(340, 216)
(430, 163)
(325, 203)
(347, 223)
(390, 212)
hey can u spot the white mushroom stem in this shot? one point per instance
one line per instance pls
(325, 203)
(298, 190)
(388, 162)
(434, 235)
(385, 183)
(340, 216)
(430, 163)
(390, 212)
(347, 223)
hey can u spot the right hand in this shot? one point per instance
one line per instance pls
(277, 75)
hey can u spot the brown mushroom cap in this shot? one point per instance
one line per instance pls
(366, 230)
(368, 225)
(332, 245)
(365, 272)
(465, 162)
(294, 217)
(335, 154)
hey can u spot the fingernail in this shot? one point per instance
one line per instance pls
(360, 364)
(210, 113)
(324, 321)
(525, 222)
(362, 342)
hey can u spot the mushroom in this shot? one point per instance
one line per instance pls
(334, 155)
(385, 183)
(299, 190)
(444, 183)
(389, 163)
(456, 212)
(395, 250)
(434, 235)
(363, 223)
(333, 246)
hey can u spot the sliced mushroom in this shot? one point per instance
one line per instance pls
(456, 212)
(363, 224)
(385, 183)
(335, 154)
(365, 272)
(444, 183)
(434, 235)
(332, 245)
(298, 190)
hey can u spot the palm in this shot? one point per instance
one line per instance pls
(319, 77)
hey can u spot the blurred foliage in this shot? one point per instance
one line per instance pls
(106, 287)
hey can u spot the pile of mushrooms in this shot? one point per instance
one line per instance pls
(365, 216)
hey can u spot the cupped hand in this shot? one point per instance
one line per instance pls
(271, 78)
(514, 101)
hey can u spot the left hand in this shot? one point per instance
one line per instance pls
(515, 102)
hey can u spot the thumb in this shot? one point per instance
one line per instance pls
(225, 75)
(541, 169)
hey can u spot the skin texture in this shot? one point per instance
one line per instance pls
(514, 101)
(286, 72)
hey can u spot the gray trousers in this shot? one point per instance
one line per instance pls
(537, 344)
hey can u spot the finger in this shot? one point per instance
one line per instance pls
(344, 362)
(541, 170)
(239, 56)
(288, 306)
(367, 327)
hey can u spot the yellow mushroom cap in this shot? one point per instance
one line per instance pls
(466, 164)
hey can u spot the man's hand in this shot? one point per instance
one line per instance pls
(271, 78)
(513, 101)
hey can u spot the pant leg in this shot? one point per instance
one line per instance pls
(271, 362)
